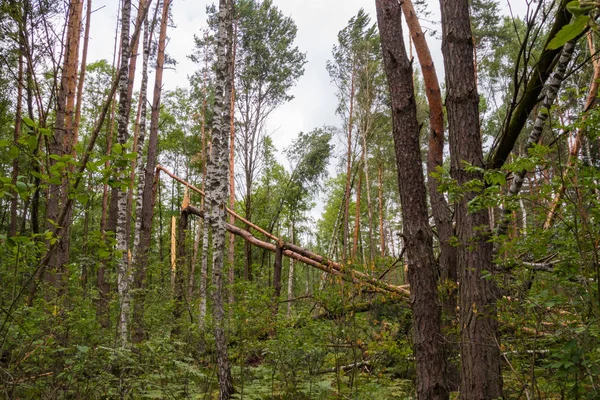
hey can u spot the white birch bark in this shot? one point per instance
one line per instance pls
(141, 174)
(550, 94)
(218, 188)
(124, 275)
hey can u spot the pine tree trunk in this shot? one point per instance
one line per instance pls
(61, 142)
(422, 267)
(368, 191)
(64, 121)
(348, 187)
(86, 39)
(442, 214)
(481, 374)
(217, 189)
(381, 227)
(356, 218)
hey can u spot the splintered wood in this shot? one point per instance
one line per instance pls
(289, 250)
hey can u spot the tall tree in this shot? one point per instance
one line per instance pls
(442, 215)
(62, 142)
(217, 188)
(481, 374)
(268, 65)
(123, 276)
(422, 266)
(148, 198)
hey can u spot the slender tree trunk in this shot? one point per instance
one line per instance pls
(290, 293)
(357, 218)
(481, 374)
(178, 276)
(422, 266)
(140, 268)
(277, 270)
(12, 230)
(575, 148)
(151, 180)
(102, 283)
(105, 223)
(247, 246)
(368, 191)
(217, 188)
(62, 142)
(381, 227)
(191, 279)
(140, 19)
(550, 93)
(205, 227)
(204, 276)
(231, 251)
(86, 39)
(123, 270)
(14, 202)
(348, 187)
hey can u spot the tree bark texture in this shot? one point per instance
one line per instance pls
(422, 267)
(149, 189)
(62, 142)
(442, 214)
(481, 375)
(140, 268)
(217, 189)
(123, 273)
(231, 250)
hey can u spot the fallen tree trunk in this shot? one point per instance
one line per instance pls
(309, 258)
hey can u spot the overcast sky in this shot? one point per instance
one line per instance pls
(318, 23)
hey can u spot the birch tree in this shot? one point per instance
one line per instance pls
(217, 188)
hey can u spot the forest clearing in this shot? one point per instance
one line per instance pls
(276, 199)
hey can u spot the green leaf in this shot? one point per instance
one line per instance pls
(29, 122)
(569, 32)
(82, 198)
(32, 142)
(575, 8)
(21, 187)
(14, 152)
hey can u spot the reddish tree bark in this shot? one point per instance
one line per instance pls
(422, 266)
(442, 214)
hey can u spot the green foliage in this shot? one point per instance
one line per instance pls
(570, 31)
